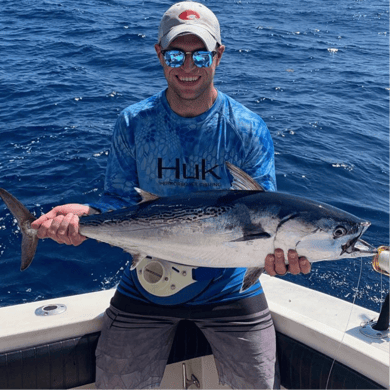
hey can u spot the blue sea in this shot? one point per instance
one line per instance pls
(317, 72)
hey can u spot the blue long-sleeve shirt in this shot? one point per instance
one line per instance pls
(159, 151)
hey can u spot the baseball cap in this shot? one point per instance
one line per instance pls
(189, 17)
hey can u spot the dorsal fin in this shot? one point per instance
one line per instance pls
(242, 181)
(145, 195)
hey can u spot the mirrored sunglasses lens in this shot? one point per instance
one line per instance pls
(202, 59)
(174, 58)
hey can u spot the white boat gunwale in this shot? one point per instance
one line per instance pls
(326, 324)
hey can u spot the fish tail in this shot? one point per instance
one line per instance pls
(24, 218)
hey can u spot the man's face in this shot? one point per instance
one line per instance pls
(189, 82)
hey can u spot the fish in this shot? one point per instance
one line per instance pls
(236, 227)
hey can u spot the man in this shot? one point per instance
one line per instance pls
(177, 141)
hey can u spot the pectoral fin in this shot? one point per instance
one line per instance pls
(249, 237)
(252, 232)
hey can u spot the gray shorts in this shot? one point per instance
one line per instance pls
(133, 348)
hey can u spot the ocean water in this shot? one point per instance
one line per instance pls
(316, 71)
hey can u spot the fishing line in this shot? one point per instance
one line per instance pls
(349, 318)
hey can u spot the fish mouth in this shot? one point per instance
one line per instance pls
(357, 246)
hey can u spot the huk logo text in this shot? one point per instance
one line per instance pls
(182, 171)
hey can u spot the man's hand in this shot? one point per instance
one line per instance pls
(62, 224)
(275, 263)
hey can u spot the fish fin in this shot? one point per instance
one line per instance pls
(252, 232)
(251, 277)
(24, 218)
(241, 180)
(145, 195)
(249, 237)
(29, 247)
(137, 257)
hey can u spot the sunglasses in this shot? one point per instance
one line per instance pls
(175, 58)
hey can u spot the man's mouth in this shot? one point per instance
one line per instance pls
(188, 79)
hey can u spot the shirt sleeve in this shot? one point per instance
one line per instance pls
(121, 173)
(260, 159)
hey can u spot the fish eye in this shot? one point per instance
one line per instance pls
(339, 231)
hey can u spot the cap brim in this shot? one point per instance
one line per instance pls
(200, 32)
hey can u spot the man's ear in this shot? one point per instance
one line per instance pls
(157, 47)
(220, 51)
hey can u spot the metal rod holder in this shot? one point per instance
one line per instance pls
(383, 320)
(189, 382)
(379, 329)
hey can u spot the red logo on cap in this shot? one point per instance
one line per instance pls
(189, 15)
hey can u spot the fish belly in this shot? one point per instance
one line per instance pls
(197, 245)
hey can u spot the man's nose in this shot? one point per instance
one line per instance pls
(188, 62)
